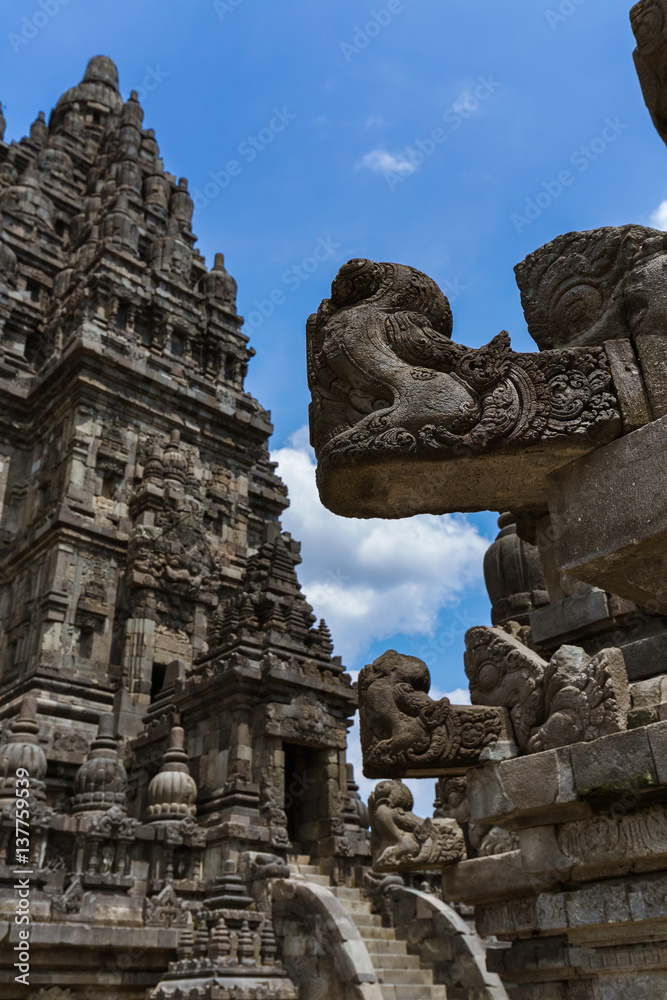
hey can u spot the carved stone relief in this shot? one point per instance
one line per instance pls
(401, 841)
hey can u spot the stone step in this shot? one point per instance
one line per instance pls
(390, 962)
(378, 934)
(385, 946)
(344, 892)
(399, 974)
(356, 906)
(413, 992)
(363, 920)
(404, 977)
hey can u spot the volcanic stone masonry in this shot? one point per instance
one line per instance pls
(195, 828)
(551, 816)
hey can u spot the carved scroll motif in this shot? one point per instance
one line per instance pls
(401, 841)
(405, 731)
(387, 381)
(569, 699)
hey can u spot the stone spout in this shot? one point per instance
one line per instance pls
(405, 421)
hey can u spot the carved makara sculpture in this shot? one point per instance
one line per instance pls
(401, 840)
(571, 698)
(404, 731)
(392, 390)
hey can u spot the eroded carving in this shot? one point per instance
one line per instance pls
(403, 730)
(387, 381)
(569, 699)
(401, 841)
(166, 909)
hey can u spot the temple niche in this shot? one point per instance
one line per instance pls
(556, 797)
(196, 830)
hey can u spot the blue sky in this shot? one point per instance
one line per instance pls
(327, 112)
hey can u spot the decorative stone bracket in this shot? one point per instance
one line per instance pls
(404, 732)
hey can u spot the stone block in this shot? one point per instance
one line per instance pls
(540, 852)
(570, 619)
(540, 779)
(480, 880)
(614, 763)
(646, 657)
(609, 518)
(657, 737)
(536, 789)
(486, 794)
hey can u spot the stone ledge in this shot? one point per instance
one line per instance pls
(555, 786)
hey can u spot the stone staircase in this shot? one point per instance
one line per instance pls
(400, 975)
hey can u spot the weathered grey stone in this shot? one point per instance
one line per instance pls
(570, 618)
(645, 657)
(657, 738)
(614, 763)
(528, 790)
(513, 575)
(608, 517)
(404, 732)
(402, 841)
(437, 416)
(479, 880)
(570, 698)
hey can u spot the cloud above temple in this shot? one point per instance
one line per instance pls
(659, 217)
(371, 579)
(380, 161)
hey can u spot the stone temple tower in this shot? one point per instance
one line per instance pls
(194, 827)
(149, 604)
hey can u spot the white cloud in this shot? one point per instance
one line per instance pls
(659, 217)
(375, 121)
(381, 161)
(371, 579)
